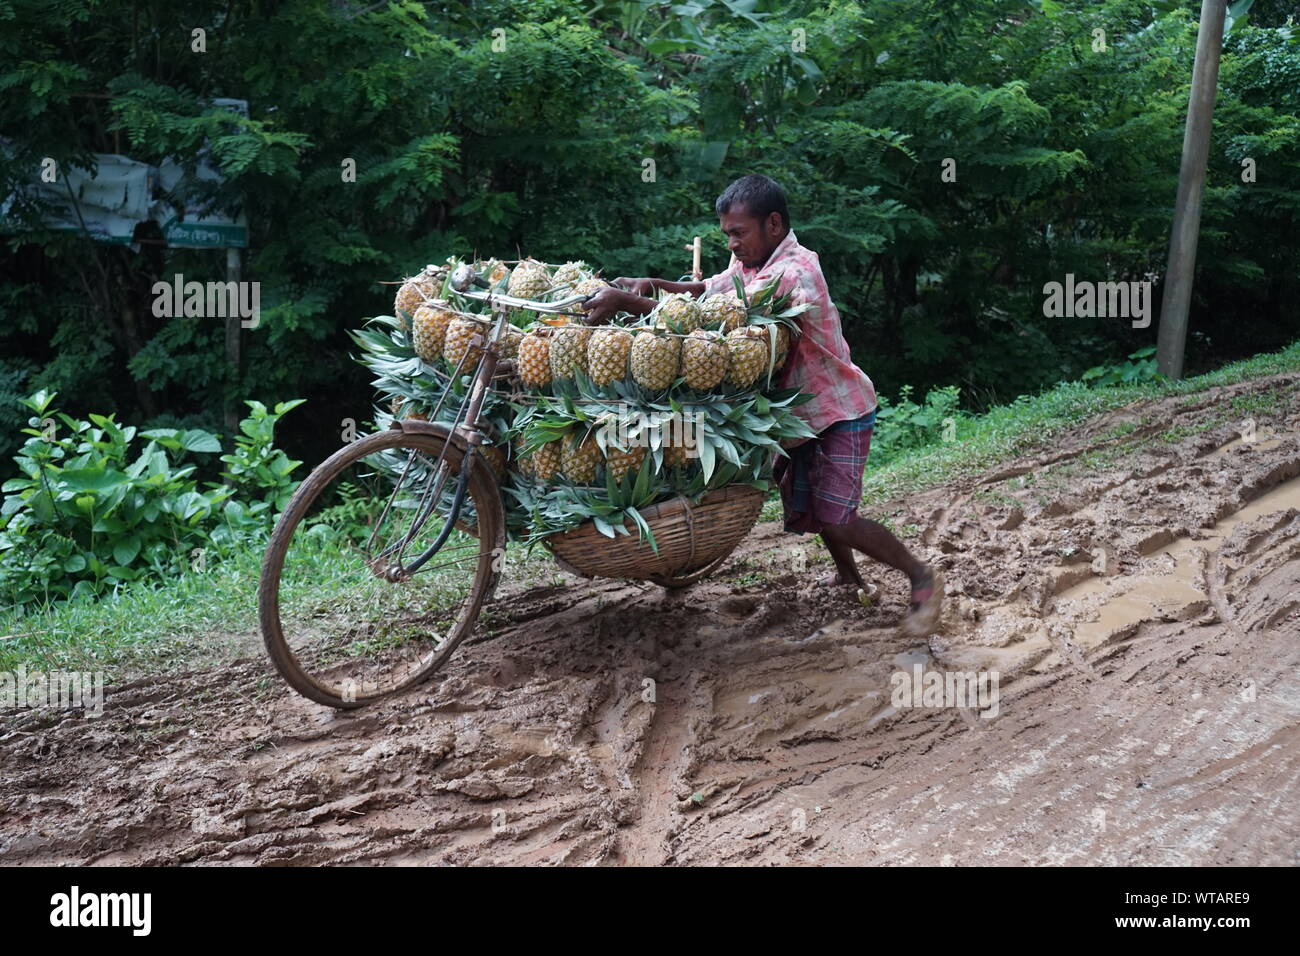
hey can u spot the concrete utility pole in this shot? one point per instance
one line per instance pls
(232, 346)
(1191, 184)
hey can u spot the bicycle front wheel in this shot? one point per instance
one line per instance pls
(378, 567)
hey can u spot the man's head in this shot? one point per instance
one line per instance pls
(753, 215)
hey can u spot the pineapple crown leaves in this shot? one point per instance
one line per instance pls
(399, 372)
(764, 304)
(635, 490)
(561, 506)
(389, 320)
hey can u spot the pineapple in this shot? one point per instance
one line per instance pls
(429, 329)
(607, 354)
(588, 287)
(404, 408)
(749, 355)
(546, 461)
(782, 345)
(508, 344)
(580, 459)
(572, 273)
(725, 310)
(781, 333)
(495, 458)
(534, 357)
(569, 351)
(620, 462)
(530, 280)
(654, 359)
(674, 456)
(523, 462)
(704, 359)
(680, 312)
(458, 344)
(494, 270)
(423, 287)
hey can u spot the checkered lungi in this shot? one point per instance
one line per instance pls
(821, 481)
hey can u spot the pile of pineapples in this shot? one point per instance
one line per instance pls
(559, 461)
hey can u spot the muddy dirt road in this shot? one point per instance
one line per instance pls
(1136, 587)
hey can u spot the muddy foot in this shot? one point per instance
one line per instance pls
(866, 593)
(836, 580)
(926, 607)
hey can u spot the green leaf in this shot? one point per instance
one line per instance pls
(707, 459)
(167, 437)
(92, 479)
(195, 439)
(126, 549)
(108, 525)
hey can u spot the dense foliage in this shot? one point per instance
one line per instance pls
(498, 125)
(93, 508)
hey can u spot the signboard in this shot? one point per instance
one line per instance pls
(106, 203)
(109, 201)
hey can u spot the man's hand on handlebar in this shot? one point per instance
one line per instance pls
(602, 306)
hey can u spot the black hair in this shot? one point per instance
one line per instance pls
(760, 196)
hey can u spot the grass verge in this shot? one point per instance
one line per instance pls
(1030, 422)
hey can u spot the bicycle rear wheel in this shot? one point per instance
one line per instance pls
(379, 565)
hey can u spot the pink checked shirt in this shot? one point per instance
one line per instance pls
(819, 360)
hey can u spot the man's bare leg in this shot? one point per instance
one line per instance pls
(846, 568)
(877, 542)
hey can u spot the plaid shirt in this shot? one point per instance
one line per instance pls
(819, 360)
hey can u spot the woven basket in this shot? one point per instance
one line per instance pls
(693, 539)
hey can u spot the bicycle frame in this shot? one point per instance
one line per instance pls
(466, 430)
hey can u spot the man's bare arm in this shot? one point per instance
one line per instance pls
(647, 287)
(693, 288)
(638, 299)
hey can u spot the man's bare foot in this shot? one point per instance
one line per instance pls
(927, 604)
(836, 580)
(865, 592)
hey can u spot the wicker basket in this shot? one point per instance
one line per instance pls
(693, 539)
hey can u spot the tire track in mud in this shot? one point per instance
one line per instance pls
(659, 773)
(1139, 598)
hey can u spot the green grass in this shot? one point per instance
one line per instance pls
(198, 619)
(208, 617)
(1031, 422)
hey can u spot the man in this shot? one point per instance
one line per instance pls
(821, 481)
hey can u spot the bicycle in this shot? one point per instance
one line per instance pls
(425, 492)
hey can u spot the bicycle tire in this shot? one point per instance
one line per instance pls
(486, 495)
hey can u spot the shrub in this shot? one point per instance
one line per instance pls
(92, 510)
(904, 425)
(1140, 368)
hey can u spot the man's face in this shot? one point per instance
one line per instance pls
(750, 239)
